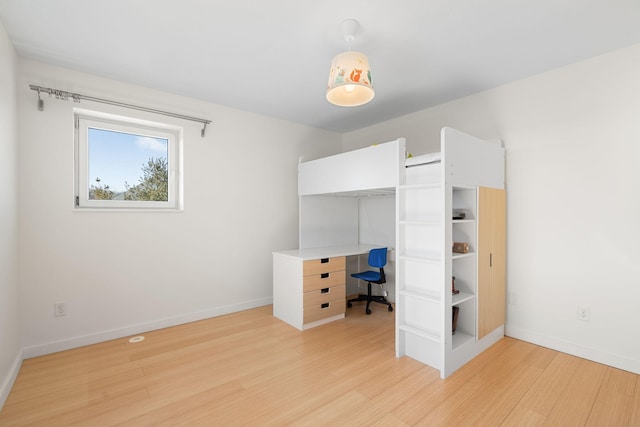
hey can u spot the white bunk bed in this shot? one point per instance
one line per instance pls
(414, 218)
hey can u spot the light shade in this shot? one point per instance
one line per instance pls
(350, 80)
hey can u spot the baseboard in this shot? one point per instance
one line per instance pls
(7, 384)
(595, 355)
(75, 342)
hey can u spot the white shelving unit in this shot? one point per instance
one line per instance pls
(426, 230)
(463, 265)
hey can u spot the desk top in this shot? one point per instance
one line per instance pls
(328, 252)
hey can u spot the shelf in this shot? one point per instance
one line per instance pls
(461, 297)
(460, 339)
(420, 222)
(421, 333)
(459, 187)
(426, 296)
(463, 221)
(456, 255)
(431, 258)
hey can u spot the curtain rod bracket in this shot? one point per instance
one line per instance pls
(204, 128)
(40, 102)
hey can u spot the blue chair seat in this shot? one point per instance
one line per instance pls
(368, 276)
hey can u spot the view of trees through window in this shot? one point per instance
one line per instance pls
(153, 185)
(124, 166)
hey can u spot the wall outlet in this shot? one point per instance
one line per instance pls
(584, 313)
(59, 309)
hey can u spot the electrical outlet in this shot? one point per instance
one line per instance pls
(59, 309)
(584, 313)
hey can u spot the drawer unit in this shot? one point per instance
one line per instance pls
(309, 291)
(324, 287)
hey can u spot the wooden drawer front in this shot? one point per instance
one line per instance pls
(324, 265)
(321, 311)
(323, 280)
(318, 297)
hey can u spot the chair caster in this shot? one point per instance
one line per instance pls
(349, 304)
(390, 308)
(368, 311)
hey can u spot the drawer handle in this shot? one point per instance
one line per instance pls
(324, 275)
(325, 305)
(324, 290)
(324, 260)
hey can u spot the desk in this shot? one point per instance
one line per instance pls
(309, 284)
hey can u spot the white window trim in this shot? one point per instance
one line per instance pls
(84, 119)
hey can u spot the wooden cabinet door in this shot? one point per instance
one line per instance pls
(491, 259)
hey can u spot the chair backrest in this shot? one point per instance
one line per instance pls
(378, 257)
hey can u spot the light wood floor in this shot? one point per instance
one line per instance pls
(249, 368)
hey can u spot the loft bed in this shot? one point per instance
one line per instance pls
(377, 196)
(330, 187)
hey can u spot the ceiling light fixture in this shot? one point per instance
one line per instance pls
(350, 76)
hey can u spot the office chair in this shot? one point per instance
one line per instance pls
(377, 259)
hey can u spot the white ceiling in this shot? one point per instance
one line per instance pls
(273, 57)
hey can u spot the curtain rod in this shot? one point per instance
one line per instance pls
(64, 95)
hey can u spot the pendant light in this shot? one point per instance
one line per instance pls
(350, 76)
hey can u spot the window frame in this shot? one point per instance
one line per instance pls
(83, 120)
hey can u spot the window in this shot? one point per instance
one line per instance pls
(124, 163)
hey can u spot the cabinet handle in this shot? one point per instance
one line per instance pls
(490, 260)
(324, 275)
(324, 260)
(324, 290)
(325, 305)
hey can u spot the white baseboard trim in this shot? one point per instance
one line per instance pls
(7, 384)
(75, 342)
(595, 355)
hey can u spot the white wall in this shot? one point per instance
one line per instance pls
(125, 272)
(10, 353)
(572, 139)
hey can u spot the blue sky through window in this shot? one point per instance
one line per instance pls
(116, 157)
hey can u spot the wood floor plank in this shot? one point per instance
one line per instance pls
(523, 417)
(580, 393)
(159, 412)
(379, 376)
(390, 420)
(249, 368)
(635, 417)
(426, 400)
(378, 406)
(494, 404)
(330, 412)
(450, 406)
(614, 404)
(31, 392)
(545, 394)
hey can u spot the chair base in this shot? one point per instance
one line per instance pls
(369, 299)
